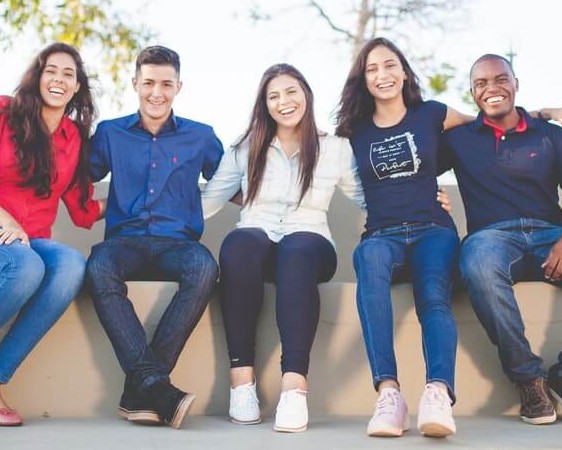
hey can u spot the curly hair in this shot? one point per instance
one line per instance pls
(31, 135)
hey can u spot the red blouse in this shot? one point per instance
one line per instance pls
(36, 215)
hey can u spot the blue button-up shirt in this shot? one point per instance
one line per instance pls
(154, 178)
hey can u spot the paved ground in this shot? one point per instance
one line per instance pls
(216, 432)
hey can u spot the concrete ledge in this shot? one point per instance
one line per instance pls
(73, 371)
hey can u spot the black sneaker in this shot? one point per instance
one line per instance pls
(536, 406)
(136, 407)
(171, 403)
(554, 382)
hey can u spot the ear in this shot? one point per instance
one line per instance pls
(134, 83)
(516, 84)
(77, 88)
(180, 84)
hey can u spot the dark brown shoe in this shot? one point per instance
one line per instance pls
(536, 406)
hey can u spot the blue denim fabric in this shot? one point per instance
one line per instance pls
(427, 254)
(492, 260)
(118, 259)
(37, 282)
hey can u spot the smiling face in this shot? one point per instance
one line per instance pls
(384, 74)
(493, 87)
(286, 101)
(156, 87)
(58, 82)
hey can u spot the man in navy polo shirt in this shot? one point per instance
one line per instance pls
(509, 167)
(153, 224)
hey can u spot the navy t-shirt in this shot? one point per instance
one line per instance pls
(398, 168)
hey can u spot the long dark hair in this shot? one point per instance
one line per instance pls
(356, 103)
(31, 135)
(262, 128)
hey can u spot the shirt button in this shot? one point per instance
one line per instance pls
(153, 165)
(503, 138)
(154, 139)
(151, 191)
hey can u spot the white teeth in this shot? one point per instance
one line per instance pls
(496, 99)
(287, 110)
(56, 91)
(385, 85)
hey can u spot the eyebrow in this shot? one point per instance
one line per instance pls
(54, 66)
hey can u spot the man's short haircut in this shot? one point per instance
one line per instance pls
(489, 56)
(159, 56)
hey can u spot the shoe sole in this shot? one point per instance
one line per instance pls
(544, 420)
(144, 417)
(557, 401)
(290, 430)
(391, 432)
(386, 433)
(182, 410)
(436, 430)
(245, 422)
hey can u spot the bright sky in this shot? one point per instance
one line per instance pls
(223, 56)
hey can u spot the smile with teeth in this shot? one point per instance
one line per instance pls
(495, 99)
(55, 90)
(385, 85)
(286, 111)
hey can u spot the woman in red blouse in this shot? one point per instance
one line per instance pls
(44, 131)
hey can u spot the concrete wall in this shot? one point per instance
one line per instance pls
(73, 371)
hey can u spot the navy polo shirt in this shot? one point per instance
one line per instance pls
(509, 175)
(154, 187)
(398, 168)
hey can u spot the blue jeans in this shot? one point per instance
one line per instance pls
(492, 260)
(37, 282)
(123, 258)
(427, 254)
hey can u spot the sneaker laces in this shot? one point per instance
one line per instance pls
(433, 396)
(246, 395)
(388, 402)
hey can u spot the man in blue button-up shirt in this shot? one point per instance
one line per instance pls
(153, 224)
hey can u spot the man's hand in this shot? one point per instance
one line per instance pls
(10, 234)
(553, 263)
(443, 198)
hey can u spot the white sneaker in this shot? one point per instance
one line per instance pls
(435, 415)
(391, 415)
(292, 412)
(244, 404)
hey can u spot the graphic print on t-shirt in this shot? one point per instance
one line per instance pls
(394, 157)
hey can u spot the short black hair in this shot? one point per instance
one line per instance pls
(492, 56)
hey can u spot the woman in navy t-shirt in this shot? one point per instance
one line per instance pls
(394, 135)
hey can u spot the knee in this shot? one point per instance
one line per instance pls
(205, 264)
(72, 264)
(369, 255)
(23, 269)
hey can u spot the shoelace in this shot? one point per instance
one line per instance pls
(436, 397)
(387, 403)
(249, 397)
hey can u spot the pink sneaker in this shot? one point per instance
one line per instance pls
(435, 415)
(390, 418)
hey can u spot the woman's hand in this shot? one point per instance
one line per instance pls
(9, 234)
